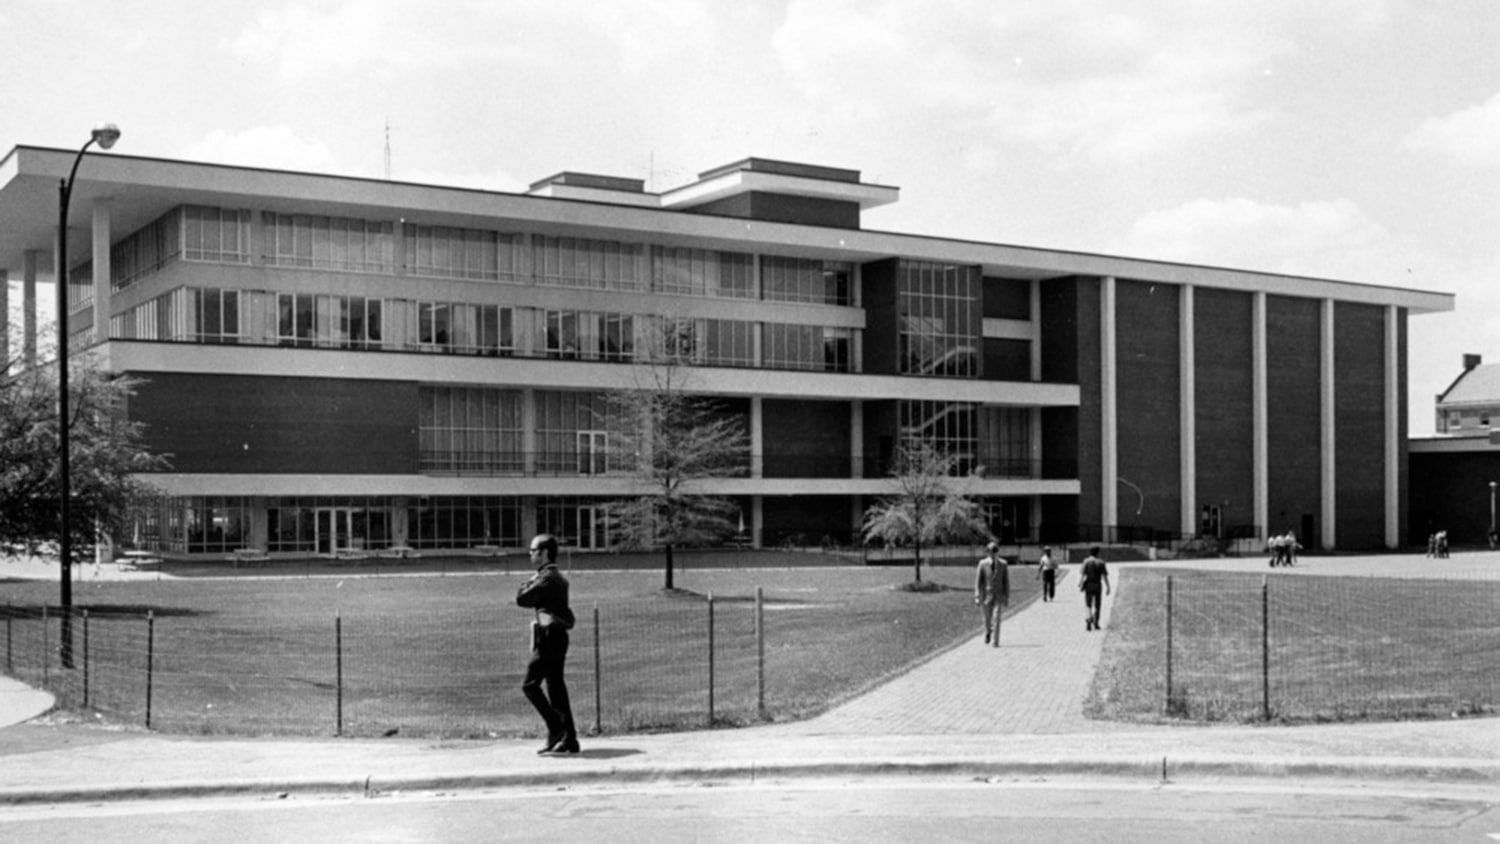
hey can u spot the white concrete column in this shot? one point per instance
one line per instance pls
(1328, 534)
(102, 271)
(5, 309)
(398, 247)
(529, 520)
(1392, 427)
(1260, 402)
(400, 526)
(1188, 409)
(28, 307)
(1036, 330)
(757, 437)
(856, 439)
(528, 433)
(757, 521)
(1109, 496)
(528, 249)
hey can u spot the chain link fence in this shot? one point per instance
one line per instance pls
(633, 664)
(1222, 646)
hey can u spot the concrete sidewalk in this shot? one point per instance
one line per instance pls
(1035, 682)
(973, 711)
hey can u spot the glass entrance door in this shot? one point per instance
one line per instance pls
(340, 529)
(593, 532)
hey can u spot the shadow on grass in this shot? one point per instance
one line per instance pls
(112, 611)
(688, 595)
(925, 587)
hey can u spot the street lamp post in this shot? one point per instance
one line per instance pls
(105, 136)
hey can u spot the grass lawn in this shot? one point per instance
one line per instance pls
(290, 650)
(1339, 648)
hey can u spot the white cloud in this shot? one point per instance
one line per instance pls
(305, 40)
(1470, 136)
(1329, 238)
(272, 147)
(648, 33)
(1101, 81)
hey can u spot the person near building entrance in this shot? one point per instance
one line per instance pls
(547, 594)
(992, 591)
(1046, 569)
(1092, 576)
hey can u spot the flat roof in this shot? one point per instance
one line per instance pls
(143, 189)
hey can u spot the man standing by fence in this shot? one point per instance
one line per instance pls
(992, 592)
(1091, 575)
(547, 593)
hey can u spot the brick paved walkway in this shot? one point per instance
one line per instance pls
(1034, 683)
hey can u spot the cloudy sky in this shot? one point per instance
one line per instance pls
(1350, 139)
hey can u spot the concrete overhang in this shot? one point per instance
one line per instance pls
(145, 188)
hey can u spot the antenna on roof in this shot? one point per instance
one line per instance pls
(387, 148)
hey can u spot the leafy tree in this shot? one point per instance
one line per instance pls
(105, 451)
(670, 440)
(928, 506)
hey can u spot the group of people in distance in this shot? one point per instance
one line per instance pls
(1283, 549)
(992, 587)
(1437, 544)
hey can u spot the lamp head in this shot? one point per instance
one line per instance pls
(106, 134)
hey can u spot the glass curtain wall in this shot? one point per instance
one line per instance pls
(469, 430)
(940, 329)
(463, 521)
(950, 427)
(1005, 442)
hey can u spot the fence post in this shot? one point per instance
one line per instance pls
(150, 660)
(85, 658)
(710, 659)
(9, 613)
(338, 662)
(1169, 645)
(598, 678)
(46, 649)
(1265, 646)
(760, 653)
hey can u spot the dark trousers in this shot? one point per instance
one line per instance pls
(1049, 585)
(546, 666)
(1093, 600)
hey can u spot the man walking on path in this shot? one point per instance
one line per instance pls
(1090, 577)
(547, 593)
(1046, 569)
(992, 592)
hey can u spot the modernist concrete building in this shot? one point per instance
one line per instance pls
(335, 363)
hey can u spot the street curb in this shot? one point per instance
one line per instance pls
(1162, 770)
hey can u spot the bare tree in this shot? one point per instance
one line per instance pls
(928, 506)
(671, 440)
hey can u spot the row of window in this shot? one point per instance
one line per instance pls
(216, 235)
(213, 315)
(479, 430)
(339, 524)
